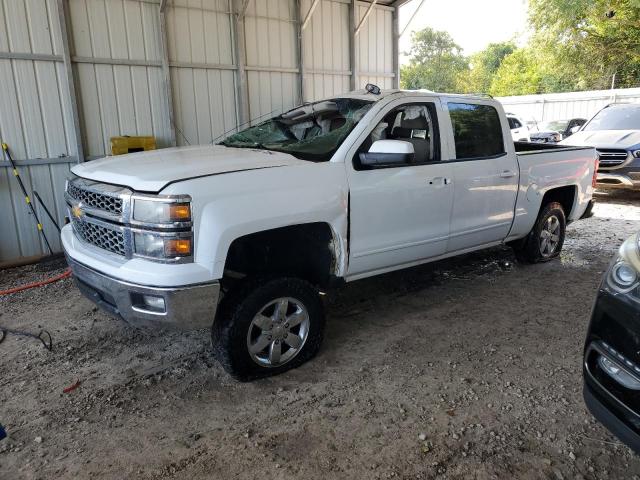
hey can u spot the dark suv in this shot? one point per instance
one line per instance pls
(612, 350)
(615, 132)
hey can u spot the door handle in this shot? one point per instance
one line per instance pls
(507, 174)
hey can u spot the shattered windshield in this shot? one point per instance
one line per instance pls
(313, 131)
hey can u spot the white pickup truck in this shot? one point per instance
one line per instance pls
(244, 236)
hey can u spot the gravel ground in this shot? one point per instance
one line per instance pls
(467, 368)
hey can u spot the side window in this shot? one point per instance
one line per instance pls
(414, 123)
(516, 123)
(512, 122)
(476, 130)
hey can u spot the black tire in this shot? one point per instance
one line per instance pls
(230, 330)
(531, 249)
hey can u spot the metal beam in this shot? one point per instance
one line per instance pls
(415, 12)
(239, 47)
(395, 48)
(299, 50)
(307, 17)
(30, 162)
(366, 16)
(166, 72)
(400, 3)
(30, 56)
(65, 35)
(353, 62)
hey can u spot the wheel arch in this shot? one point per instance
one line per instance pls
(565, 196)
(312, 251)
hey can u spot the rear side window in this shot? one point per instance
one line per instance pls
(476, 130)
(513, 123)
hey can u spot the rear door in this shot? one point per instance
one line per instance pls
(485, 174)
(399, 215)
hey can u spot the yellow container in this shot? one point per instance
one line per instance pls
(127, 144)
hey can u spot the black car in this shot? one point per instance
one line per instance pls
(556, 130)
(612, 351)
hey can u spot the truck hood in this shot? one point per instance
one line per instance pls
(604, 138)
(153, 170)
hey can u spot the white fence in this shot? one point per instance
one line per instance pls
(561, 106)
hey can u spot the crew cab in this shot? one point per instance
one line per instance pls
(243, 237)
(615, 132)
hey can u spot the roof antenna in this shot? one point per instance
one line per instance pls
(373, 89)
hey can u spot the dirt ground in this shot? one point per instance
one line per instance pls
(467, 368)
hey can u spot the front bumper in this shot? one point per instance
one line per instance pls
(613, 333)
(611, 422)
(186, 307)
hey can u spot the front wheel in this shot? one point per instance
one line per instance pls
(267, 327)
(546, 238)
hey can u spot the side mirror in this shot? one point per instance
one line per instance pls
(573, 129)
(388, 153)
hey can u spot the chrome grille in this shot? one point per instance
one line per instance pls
(100, 236)
(610, 157)
(100, 201)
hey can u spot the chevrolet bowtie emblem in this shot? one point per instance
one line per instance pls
(77, 212)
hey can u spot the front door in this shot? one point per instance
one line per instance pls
(400, 215)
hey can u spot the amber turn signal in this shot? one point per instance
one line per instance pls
(180, 212)
(177, 247)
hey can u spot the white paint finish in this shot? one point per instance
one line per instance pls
(246, 202)
(484, 189)
(144, 272)
(140, 170)
(398, 216)
(540, 172)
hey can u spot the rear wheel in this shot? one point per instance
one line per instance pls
(546, 239)
(267, 327)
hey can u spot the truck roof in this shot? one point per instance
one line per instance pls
(362, 94)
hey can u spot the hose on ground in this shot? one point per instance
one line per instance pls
(62, 276)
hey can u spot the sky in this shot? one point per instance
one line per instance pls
(473, 24)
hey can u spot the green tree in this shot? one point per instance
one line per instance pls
(591, 39)
(484, 66)
(436, 62)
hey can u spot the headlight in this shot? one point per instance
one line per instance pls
(623, 276)
(160, 246)
(636, 153)
(556, 137)
(162, 211)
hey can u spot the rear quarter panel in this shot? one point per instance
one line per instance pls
(542, 171)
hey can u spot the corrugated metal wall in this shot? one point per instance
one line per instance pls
(202, 69)
(272, 71)
(34, 122)
(117, 98)
(561, 106)
(116, 50)
(373, 50)
(326, 50)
